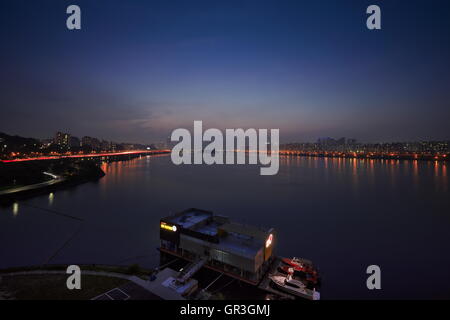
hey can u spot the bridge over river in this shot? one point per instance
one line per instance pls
(90, 155)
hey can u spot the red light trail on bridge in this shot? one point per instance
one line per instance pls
(91, 155)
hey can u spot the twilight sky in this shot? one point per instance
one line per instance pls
(140, 68)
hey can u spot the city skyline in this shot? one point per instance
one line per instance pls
(137, 72)
(317, 140)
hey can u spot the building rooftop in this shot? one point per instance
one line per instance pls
(209, 229)
(243, 247)
(189, 218)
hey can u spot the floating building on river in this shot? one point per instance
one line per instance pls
(239, 251)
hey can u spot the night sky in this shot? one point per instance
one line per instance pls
(139, 69)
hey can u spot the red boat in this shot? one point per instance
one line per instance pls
(301, 265)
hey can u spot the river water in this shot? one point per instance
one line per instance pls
(344, 214)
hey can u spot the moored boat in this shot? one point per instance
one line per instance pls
(312, 279)
(295, 287)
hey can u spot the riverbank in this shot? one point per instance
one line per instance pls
(23, 180)
(28, 177)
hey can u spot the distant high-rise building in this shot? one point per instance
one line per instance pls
(62, 140)
(341, 141)
(105, 145)
(326, 141)
(113, 146)
(169, 143)
(94, 143)
(74, 142)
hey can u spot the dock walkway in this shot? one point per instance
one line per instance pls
(190, 270)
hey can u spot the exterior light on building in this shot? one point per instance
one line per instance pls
(269, 240)
(168, 227)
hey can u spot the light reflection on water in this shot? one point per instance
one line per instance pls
(15, 208)
(51, 198)
(372, 167)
